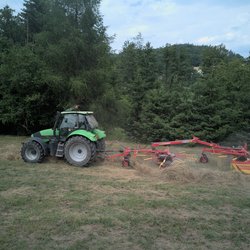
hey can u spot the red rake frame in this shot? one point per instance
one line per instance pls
(165, 157)
(211, 148)
(160, 155)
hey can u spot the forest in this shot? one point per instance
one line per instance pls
(55, 54)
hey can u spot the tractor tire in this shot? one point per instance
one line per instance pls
(32, 152)
(203, 158)
(241, 158)
(79, 151)
(166, 162)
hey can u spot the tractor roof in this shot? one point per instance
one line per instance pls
(77, 112)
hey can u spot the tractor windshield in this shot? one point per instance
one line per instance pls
(68, 121)
(92, 121)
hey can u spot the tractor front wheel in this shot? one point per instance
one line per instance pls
(32, 152)
(79, 151)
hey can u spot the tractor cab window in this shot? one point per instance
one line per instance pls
(82, 121)
(92, 121)
(68, 121)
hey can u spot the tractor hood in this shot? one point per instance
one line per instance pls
(45, 134)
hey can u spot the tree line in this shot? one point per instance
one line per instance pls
(56, 54)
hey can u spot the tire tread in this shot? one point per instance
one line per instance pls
(34, 144)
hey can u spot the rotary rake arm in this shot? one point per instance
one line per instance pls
(162, 156)
(210, 147)
(179, 142)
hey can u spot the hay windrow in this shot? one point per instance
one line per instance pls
(188, 173)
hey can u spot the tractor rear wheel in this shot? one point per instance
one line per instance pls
(79, 151)
(32, 152)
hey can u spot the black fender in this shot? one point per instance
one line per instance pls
(42, 143)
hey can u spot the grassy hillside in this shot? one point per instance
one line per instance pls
(56, 206)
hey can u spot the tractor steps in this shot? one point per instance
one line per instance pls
(60, 149)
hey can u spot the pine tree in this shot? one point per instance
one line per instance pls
(33, 17)
(10, 28)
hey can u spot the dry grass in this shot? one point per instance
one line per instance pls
(187, 173)
(185, 206)
(10, 152)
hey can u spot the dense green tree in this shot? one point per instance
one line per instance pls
(166, 115)
(33, 16)
(221, 100)
(137, 73)
(213, 56)
(209, 105)
(10, 28)
(29, 92)
(178, 67)
(56, 54)
(68, 46)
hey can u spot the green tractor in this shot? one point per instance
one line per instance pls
(74, 136)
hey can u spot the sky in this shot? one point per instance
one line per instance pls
(161, 22)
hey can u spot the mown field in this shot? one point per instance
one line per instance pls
(56, 206)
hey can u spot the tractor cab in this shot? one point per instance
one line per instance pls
(69, 121)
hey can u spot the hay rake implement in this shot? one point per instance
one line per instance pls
(164, 158)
